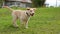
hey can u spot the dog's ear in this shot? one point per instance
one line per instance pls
(28, 8)
(34, 8)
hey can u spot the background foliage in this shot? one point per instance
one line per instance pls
(38, 3)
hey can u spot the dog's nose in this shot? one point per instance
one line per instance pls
(33, 13)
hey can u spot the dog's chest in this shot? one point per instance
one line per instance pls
(24, 17)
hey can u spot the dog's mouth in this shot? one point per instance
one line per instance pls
(32, 14)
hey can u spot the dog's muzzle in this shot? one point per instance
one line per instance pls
(32, 14)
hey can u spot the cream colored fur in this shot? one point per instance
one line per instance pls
(23, 15)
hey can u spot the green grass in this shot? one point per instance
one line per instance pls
(45, 21)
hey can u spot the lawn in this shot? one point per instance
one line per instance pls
(45, 21)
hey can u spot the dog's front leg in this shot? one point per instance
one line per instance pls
(26, 24)
(14, 22)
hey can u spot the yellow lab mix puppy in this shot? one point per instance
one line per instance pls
(24, 16)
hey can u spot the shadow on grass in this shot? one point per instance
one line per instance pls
(10, 29)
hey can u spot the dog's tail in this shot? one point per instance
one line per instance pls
(8, 8)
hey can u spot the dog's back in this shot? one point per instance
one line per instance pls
(18, 13)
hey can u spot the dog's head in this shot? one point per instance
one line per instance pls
(31, 11)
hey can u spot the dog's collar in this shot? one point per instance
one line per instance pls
(27, 14)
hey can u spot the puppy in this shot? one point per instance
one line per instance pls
(24, 16)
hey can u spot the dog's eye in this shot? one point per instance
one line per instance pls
(30, 10)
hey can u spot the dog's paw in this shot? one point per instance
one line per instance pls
(26, 27)
(16, 26)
